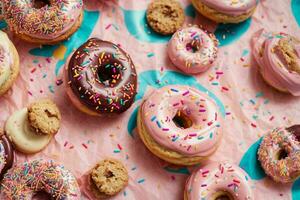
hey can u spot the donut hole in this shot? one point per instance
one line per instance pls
(222, 195)
(281, 154)
(168, 12)
(41, 3)
(193, 46)
(41, 195)
(108, 174)
(109, 75)
(181, 120)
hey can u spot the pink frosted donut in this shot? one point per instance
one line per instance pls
(193, 50)
(279, 154)
(24, 181)
(219, 181)
(277, 71)
(37, 21)
(229, 7)
(181, 121)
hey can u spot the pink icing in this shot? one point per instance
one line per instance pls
(184, 58)
(272, 65)
(198, 140)
(48, 22)
(214, 177)
(231, 7)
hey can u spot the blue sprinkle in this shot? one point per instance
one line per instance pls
(211, 135)
(174, 90)
(153, 118)
(259, 94)
(200, 137)
(149, 55)
(174, 139)
(134, 168)
(252, 101)
(245, 52)
(158, 124)
(266, 101)
(84, 63)
(51, 88)
(124, 193)
(141, 180)
(215, 83)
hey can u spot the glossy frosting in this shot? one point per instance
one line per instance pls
(272, 66)
(48, 22)
(23, 181)
(23, 137)
(281, 170)
(6, 58)
(193, 50)
(215, 177)
(162, 105)
(6, 155)
(102, 77)
(231, 7)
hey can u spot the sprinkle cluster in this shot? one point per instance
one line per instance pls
(23, 181)
(218, 177)
(280, 169)
(48, 20)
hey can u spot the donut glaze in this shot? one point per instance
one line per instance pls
(218, 178)
(6, 155)
(101, 77)
(193, 50)
(273, 66)
(160, 108)
(47, 22)
(229, 7)
(24, 181)
(279, 154)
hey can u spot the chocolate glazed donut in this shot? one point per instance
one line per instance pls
(6, 155)
(102, 78)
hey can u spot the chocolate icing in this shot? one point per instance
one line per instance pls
(9, 154)
(103, 77)
(295, 129)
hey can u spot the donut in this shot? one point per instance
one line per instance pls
(180, 124)
(31, 132)
(26, 180)
(279, 154)
(6, 155)
(9, 63)
(278, 57)
(101, 78)
(226, 11)
(44, 117)
(218, 181)
(165, 16)
(193, 50)
(44, 23)
(108, 178)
